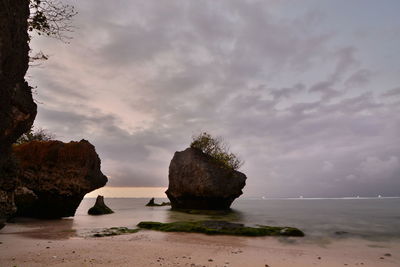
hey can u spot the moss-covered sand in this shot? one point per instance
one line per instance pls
(115, 231)
(221, 228)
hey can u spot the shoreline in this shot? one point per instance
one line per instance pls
(151, 248)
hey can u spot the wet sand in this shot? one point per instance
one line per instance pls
(148, 248)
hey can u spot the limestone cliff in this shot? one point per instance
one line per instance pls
(17, 109)
(59, 174)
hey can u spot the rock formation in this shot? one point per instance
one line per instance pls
(151, 203)
(59, 174)
(24, 199)
(99, 207)
(196, 181)
(17, 109)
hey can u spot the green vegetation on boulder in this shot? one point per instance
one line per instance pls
(35, 135)
(221, 228)
(217, 149)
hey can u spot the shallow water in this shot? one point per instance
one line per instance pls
(373, 219)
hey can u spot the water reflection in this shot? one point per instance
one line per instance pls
(41, 229)
(321, 220)
(201, 215)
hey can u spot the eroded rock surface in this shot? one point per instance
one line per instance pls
(152, 203)
(24, 199)
(59, 174)
(99, 207)
(17, 109)
(196, 181)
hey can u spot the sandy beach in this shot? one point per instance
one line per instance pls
(149, 248)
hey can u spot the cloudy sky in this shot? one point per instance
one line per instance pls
(307, 92)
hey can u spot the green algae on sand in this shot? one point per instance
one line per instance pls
(115, 231)
(221, 228)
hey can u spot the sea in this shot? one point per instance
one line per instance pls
(375, 219)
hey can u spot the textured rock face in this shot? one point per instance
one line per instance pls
(151, 203)
(59, 174)
(24, 199)
(197, 182)
(17, 109)
(99, 207)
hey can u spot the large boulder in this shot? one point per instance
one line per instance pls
(17, 109)
(152, 203)
(197, 181)
(24, 199)
(99, 207)
(59, 174)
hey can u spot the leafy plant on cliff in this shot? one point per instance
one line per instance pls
(216, 148)
(51, 18)
(35, 135)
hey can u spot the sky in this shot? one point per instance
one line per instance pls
(306, 92)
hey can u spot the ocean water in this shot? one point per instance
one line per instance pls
(374, 219)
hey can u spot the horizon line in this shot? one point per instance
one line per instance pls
(287, 198)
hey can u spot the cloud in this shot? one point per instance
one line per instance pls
(359, 78)
(395, 92)
(380, 168)
(299, 102)
(286, 92)
(327, 166)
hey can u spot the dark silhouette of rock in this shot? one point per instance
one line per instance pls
(17, 109)
(196, 181)
(151, 203)
(24, 199)
(60, 174)
(99, 207)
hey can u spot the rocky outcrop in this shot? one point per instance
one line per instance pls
(151, 203)
(196, 181)
(99, 207)
(59, 174)
(24, 199)
(17, 109)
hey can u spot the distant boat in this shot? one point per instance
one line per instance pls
(263, 197)
(379, 196)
